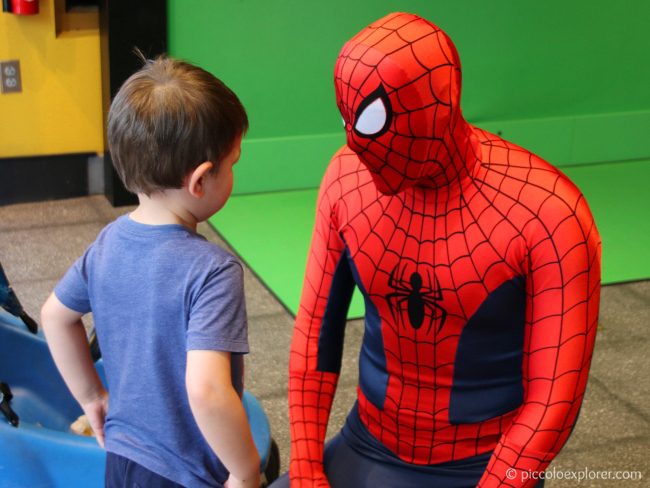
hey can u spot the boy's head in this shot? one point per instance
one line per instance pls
(167, 119)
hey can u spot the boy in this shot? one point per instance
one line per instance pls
(168, 306)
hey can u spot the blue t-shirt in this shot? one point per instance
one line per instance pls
(157, 292)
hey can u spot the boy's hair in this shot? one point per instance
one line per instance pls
(168, 118)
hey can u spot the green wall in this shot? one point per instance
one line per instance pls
(568, 79)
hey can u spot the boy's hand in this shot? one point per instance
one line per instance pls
(251, 482)
(95, 411)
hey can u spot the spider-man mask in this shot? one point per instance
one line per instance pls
(398, 90)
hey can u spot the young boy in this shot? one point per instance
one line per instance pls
(168, 305)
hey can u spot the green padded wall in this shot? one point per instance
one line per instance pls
(566, 79)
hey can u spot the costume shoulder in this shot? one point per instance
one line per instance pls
(346, 188)
(515, 175)
(344, 174)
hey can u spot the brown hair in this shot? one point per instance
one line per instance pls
(166, 119)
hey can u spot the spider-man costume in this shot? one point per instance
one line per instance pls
(478, 261)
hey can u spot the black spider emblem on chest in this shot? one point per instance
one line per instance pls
(417, 299)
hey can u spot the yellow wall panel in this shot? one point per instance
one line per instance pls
(59, 109)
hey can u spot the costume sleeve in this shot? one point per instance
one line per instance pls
(317, 344)
(563, 293)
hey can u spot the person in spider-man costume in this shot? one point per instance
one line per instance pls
(479, 264)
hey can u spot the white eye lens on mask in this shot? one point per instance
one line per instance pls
(372, 119)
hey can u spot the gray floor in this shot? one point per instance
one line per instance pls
(38, 241)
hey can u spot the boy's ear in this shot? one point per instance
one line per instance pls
(195, 180)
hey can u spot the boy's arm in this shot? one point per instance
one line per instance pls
(66, 338)
(220, 415)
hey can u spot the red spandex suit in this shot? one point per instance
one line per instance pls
(478, 261)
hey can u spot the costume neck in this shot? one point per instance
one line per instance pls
(452, 158)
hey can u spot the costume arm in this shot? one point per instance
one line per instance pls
(563, 292)
(317, 344)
